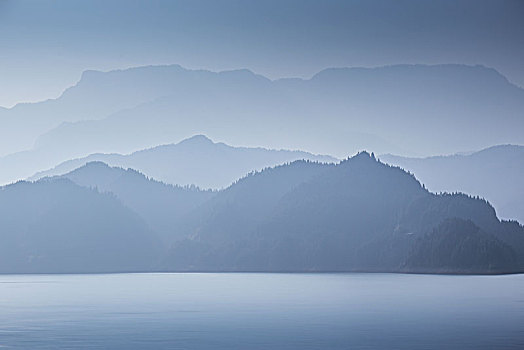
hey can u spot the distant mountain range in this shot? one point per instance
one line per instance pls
(194, 161)
(495, 173)
(403, 109)
(358, 215)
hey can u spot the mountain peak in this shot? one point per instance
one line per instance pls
(198, 139)
(362, 156)
(95, 164)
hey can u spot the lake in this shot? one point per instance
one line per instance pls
(261, 311)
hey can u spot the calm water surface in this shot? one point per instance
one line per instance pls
(261, 311)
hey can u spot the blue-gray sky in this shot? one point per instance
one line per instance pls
(45, 45)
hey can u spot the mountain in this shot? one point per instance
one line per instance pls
(194, 161)
(358, 215)
(494, 173)
(56, 226)
(394, 109)
(457, 242)
(95, 96)
(162, 206)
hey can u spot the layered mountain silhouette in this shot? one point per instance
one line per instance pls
(357, 215)
(403, 109)
(95, 96)
(56, 226)
(494, 173)
(194, 161)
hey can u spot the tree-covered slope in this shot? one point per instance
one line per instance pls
(56, 226)
(494, 173)
(359, 215)
(162, 206)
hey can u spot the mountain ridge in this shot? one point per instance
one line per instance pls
(494, 173)
(357, 215)
(160, 205)
(57, 226)
(144, 85)
(230, 162)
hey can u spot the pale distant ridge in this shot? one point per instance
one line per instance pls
(401, 109)
(194, 161)
(495, 173)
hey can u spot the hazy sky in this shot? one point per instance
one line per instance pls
(45, 45)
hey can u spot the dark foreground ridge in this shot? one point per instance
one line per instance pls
(358, 215)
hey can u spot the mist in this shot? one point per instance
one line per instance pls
(284, 174)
